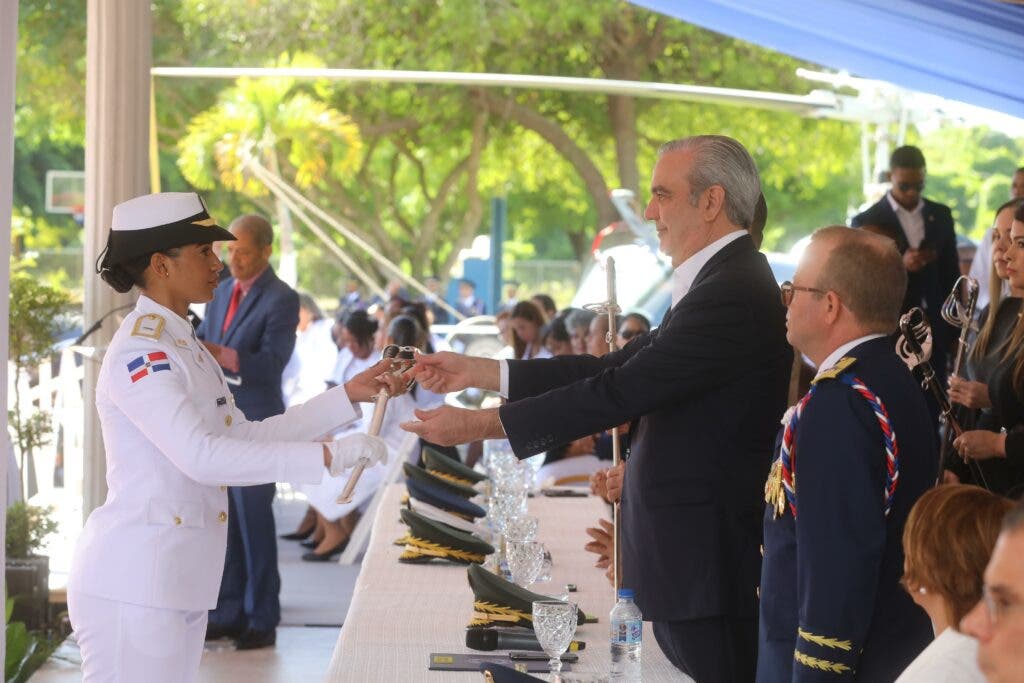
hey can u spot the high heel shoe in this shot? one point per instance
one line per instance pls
(298, 535)
(311, 543)
(317, 557)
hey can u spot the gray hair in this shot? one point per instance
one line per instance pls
(720, 160)
(579, 318)
(257, 226)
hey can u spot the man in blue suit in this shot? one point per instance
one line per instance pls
(855, 454)
(250, 329)
(705, 389)
(924, 234)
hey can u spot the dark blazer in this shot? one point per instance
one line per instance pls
(930, 286)
(833, 572)
(707, 389)
(263, 333)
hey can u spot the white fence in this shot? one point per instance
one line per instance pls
(60, 395)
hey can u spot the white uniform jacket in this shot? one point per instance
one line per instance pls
(174, 441)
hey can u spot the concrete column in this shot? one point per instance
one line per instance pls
(119, 49)
(8, 57)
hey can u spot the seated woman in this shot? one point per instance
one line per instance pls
(526, 322)
(309, 369)
(971, 391)
(947, 541)
(1006, 386)
(336, 521)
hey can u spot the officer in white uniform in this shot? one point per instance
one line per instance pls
(148, 565)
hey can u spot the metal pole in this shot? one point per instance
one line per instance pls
(499, 217)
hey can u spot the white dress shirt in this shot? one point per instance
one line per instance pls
(833, 358)
(911, 221)
(951, 658)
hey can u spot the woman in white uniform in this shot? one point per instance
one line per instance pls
(148, 564)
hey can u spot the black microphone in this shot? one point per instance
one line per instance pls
(489, 639)
(96, 325)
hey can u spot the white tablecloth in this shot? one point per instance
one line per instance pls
(400, 613)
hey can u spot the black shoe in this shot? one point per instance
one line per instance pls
(310, 544)
(254, 640)
(317, 557)
(298, 535)
(216, 631)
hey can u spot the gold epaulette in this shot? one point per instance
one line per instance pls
(150, 326)
(418, 547)
(485, 613)
(839, 368)
(451, 477)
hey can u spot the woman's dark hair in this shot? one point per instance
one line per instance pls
(546, 303)
(527, 310)
(640, 318)
(361, 326)
(405, 330)
(555, 330)
(306, 301)
(123, 276)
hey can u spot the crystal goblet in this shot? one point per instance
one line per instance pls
(554, 622)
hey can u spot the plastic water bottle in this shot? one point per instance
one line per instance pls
(626, 634)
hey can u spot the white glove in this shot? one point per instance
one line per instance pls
(345, 452)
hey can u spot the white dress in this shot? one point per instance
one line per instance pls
(951, 658)
(311, 365)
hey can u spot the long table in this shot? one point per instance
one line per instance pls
(401, 613)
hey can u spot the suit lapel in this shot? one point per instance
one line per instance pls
(248, 303)
(930, 226)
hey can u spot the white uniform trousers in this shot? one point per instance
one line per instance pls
(121, 642)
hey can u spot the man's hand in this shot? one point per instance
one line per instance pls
(582, 446)
(599, 484)
(970, 394)
(363, 387)
(602, 543)
(449, 426)
(614, 482)
(981, 444)
(916, 259)
(446, 371)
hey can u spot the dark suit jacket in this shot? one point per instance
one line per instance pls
(263, 333)
(930, 286)
(707, 389)
(833, 572)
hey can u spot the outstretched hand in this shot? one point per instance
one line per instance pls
(449, 426)
(363, 388)
(445, 371)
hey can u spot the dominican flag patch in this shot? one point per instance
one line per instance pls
(145, 365)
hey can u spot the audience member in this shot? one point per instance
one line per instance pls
(526, 322)
(351, 299)
(511, 294)
(596, 341)
(947, 541)
(997, 621)
(468, 304)
(309, 369)
(555, 337)
(632, 325)
(1006, 383)
(546, 303)
(998, 321)
(980, 267)
(439, 315)
(577, 321)
(855, 453)
(924, 234)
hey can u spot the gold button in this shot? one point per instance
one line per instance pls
(223, 516)
(223, 488)
(757, 591)
(227, 420)
(762, 550)
(177, 521)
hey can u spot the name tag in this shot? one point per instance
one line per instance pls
(222, 401)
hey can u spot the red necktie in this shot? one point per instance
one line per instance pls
(236, 296)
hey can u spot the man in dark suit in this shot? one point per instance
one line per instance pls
(855, 454)
(250, 330)
(706, 389)
(923, 232)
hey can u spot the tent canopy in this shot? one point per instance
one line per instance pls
(967, 50)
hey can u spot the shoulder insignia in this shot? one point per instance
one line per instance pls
(841, 366)
(150, 326)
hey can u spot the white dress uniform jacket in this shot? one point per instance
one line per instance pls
(174, 441)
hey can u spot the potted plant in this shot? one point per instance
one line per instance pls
(26, 651)
(28, 573)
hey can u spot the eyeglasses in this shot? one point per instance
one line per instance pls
(997, 607)
(907, 187)
(789, 290)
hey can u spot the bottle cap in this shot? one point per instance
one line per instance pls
(626, 593)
